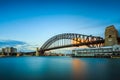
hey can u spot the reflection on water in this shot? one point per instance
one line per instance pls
(78, 69)
(59, 68)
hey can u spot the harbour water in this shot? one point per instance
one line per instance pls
(59, 68)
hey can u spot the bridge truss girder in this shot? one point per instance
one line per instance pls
(80, 39)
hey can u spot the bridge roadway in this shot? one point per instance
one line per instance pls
(74, 45)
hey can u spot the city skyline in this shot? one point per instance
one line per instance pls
(35, 21)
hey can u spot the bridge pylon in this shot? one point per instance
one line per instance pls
(37, 52)
(111, 36)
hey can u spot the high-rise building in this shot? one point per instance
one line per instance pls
(9, 50)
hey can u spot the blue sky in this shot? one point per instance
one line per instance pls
(35, 21)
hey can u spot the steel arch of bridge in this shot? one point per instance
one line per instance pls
(83, 40)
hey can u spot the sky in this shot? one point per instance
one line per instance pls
(35, 21)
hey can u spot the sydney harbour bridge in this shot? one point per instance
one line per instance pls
(71, 40)
(75, 40)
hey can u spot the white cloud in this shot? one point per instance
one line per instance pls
(20, 45)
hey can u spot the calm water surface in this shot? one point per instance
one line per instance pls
(59, 68)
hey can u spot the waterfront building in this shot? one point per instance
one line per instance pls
(91, 52)
(95, 52)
